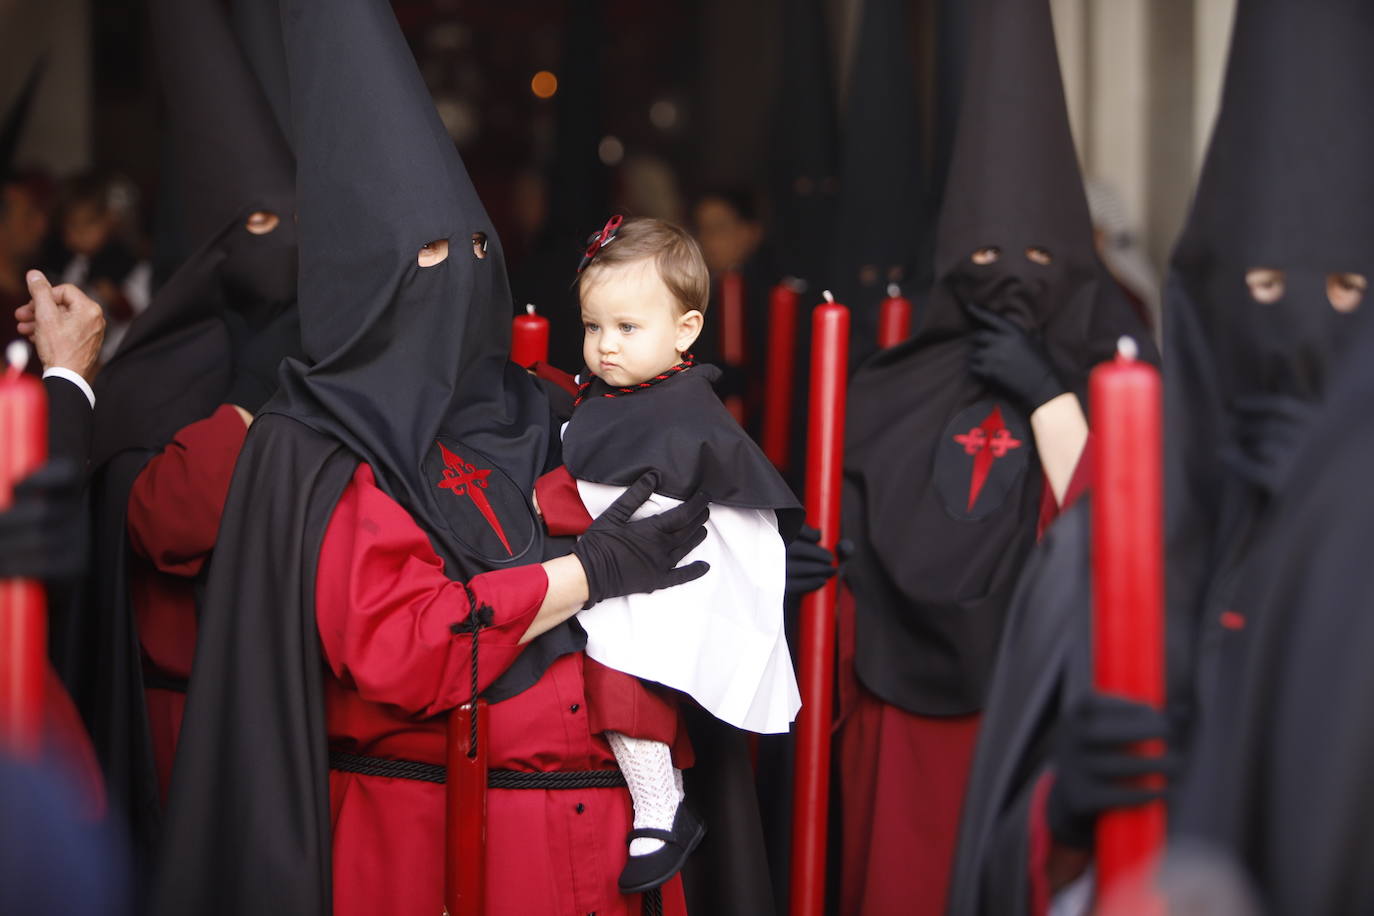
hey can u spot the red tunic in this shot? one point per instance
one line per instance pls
(174, 511)
(902, 782)
(385, 607)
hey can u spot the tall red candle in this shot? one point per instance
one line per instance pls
(825, 456)
(529, 340)
(23, 612)
(777, 403)
(465, 823)
(1128, 591)
(894, 318)
(732, 331)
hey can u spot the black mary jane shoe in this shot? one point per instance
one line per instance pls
(644, 873)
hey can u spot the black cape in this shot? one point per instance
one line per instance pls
(1286, 784)
(1039, 672)
(679, 429)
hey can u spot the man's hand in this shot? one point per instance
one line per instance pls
(66, 326)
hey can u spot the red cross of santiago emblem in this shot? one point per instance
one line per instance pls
(464, 479)
(986, 442)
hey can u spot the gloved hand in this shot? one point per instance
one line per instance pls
(1267, 434)
(624, 557)
(43, 533)
(1008, 357)
(255, 363)
(1096, 768)
(809, 565)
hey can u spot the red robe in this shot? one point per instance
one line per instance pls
(384, 607)
(902, 779)
(174, 511)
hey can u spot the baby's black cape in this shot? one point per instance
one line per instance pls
(679, 429)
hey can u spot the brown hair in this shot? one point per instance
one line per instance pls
(676, 255)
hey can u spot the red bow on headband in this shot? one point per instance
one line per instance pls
(600, 240)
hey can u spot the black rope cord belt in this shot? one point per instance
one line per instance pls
(363, 765)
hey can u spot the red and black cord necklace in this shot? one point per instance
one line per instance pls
(688, 361)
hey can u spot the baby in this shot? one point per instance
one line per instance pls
(649, 409)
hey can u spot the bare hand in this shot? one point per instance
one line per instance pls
(66, 326)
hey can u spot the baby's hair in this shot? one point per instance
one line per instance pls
(676, 255)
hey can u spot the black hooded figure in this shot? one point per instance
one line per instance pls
(210, 338)
(1269, 294)
(1246, 363)
(13, 292)
(944, 486)
(881, 224)
(403, 452)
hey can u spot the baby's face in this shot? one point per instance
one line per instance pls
(630, 324)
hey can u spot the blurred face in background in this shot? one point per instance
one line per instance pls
(86, 228)
(23, 224)
(727, 239)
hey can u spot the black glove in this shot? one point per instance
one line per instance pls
(623, 557)
(43, 533)
(1096, 768)
(255, 364)
(1268, 432)
(809, 565)
(1008, 357)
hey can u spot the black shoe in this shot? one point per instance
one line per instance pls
(644, 873)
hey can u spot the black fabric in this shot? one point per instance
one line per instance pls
(255, 368)
(882, 226)
(934, 567)
(259, 672)
(1286, 789)
(551, 780)
(728, 875)
(12, 127)
(681, 431)
(257, 25)
(69, 421)
(623, 557)
(1041, 667)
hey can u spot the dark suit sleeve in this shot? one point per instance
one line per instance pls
(69, 421)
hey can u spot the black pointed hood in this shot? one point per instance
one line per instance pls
(230, 158)
(257, 25)
(804, 162)
(12, 127)
(1014, 181)
(881, 219)
(411, 364)
(1287, 186)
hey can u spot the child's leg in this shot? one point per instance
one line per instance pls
(655, 786)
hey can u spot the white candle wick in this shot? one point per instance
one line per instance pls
(893, 290)
(1127, 348)
(529, 309)
(828, 296)
(17, 355)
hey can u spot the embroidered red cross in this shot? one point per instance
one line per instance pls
(467, 479)
(986, 442)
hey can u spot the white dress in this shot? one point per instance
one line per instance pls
(718, 638)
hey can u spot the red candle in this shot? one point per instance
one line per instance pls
(894, 318)
(529, 342)
(777, 404)
(465, 823)
(1128, 591)
(23, 614)
(824, 455)
(732, 331)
